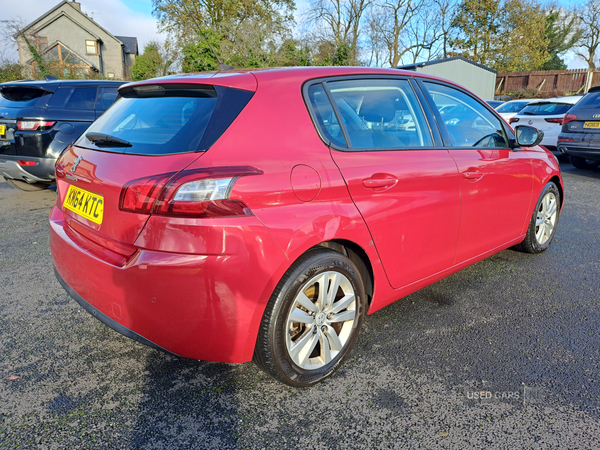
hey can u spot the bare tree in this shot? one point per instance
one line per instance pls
(589, 16)
(338, 21)
(391, 19)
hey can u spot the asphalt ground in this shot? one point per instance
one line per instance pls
(504, 354)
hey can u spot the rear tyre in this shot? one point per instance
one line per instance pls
(24, 186)
(312, 320)
(543, 222)
(582, 163)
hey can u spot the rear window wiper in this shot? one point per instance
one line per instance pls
(102, 139)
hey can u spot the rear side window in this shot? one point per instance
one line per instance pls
(21, 97)
(376, 113)
(106, 97)
(74, 98)
(590, 101)
(162, 120)
(546, 109)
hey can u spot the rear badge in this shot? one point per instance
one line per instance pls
(76, 163)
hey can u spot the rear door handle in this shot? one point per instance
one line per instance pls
(476, 175)
(380, 181)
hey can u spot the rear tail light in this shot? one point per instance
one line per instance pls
(190, 193)
(565, 140)
(513, 120)
(569, 118)
(27, 163)
(558, 121)
(33, 125)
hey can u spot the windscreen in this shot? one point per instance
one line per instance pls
(511, 107)
(20, 97)
(162, 120)
(546, 109)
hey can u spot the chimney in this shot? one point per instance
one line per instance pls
(76, 5)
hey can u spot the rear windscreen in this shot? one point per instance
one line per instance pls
(20, 97)
(168, 119)
(546, 109)
(590, 101)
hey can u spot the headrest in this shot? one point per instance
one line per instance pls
(374, 108)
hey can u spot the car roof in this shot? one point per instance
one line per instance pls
(523, 100)
(43, 83)
(247, 78)
(570, 99)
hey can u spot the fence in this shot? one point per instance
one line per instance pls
(560, 82)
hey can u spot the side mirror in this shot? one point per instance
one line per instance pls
(528, 136)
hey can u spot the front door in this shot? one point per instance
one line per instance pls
(496, 182)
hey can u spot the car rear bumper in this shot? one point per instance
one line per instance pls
(206, 306)
(42, 171)
(592, 153)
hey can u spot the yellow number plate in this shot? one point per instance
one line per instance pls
(2, 130)
(84, 203)
(591, 125)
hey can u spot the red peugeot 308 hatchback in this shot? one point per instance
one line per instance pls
(233, 216)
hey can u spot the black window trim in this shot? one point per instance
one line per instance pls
(433, 130)
(512, 145)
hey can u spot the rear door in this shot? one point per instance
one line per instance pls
(496, 181)
(406, 189)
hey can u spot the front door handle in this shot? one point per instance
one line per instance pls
(473, 175)
(380, 181)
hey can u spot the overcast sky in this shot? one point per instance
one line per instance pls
(121, 18)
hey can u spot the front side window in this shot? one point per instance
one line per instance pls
(468, 122)
(381, 113)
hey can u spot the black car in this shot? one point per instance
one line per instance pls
(580, 134)
(39, 119)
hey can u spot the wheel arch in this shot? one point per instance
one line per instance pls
(556, 180)
(359, 257)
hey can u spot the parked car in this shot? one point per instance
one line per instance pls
(546, 115)
(260, 215)
(512, 107)
(494, 103)
(39, 119)
(580, 134)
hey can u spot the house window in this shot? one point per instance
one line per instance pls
(41, 43)
(91, 47)
(62, 61)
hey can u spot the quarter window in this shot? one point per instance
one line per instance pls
(469, 123)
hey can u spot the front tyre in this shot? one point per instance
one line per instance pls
(312, 320)
(543, 222)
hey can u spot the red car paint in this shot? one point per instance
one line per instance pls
(198, 287)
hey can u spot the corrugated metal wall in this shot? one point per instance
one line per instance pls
(480, 81)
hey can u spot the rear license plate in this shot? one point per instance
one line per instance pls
(84, 203)
(591, 125)
(2, 130)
